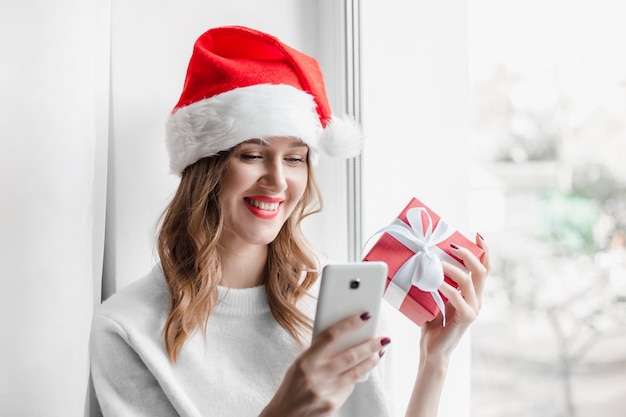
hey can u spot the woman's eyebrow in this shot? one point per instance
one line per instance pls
(256, 141)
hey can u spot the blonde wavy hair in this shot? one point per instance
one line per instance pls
(188, 242)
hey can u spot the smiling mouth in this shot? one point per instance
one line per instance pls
(262, 205)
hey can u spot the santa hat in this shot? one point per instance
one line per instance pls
(244, 84)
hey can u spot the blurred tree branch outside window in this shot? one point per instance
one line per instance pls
(549, 134)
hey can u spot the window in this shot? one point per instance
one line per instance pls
(548, 107)
(416, 115)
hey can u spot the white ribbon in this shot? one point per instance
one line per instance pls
(424, 269)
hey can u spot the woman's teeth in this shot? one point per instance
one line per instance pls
(262, 205)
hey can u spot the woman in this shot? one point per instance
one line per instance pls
(221, 327)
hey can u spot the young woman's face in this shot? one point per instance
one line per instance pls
(262, 185)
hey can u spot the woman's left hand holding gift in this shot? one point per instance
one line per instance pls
(438, 341)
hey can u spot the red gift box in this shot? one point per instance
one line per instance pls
(418, 231)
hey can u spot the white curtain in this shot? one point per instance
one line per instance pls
(53, 136)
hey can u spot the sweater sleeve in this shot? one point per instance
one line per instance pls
(123, 384)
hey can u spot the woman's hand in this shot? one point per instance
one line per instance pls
(318, 383)
(463, 303)
(438, 341)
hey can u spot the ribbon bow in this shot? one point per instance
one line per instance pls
(424, 269)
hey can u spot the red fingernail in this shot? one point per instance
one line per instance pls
(385, 341)
(381, 353)
(366, 316)
(453, 246)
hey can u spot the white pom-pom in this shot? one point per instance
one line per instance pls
(343, 137)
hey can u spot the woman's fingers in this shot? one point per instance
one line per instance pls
(359, 371)
(467, 297)
(471, 262)
(473, 284)
(486, 258)
(465, 311)
(350, 359)
(353, 363)
(465, 285)
(480, 276)
(329, 337)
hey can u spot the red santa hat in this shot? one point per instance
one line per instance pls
(243, 84)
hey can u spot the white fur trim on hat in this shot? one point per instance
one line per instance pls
(216, 124)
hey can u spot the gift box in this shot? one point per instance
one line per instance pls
(413, 247)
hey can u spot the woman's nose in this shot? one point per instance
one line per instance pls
(274, 176)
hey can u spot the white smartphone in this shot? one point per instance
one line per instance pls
(347, 289)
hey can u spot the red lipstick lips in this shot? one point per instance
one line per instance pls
(263, 207)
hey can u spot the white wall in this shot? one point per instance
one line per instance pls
(50, 223)
(415, 111)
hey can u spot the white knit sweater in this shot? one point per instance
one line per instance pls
(233, 372)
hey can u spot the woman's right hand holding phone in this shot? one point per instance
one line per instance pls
(319, 381)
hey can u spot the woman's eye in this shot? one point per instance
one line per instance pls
(295, 160)
(249, 156)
